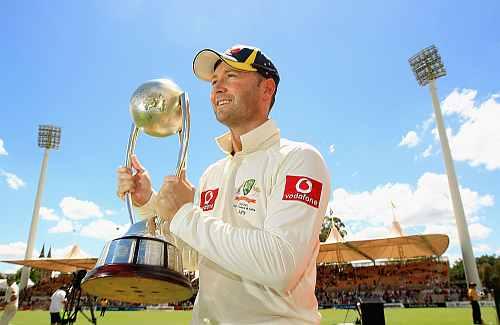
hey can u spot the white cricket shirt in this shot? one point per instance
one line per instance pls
(13, 289)
(255, 224)
(57, 301)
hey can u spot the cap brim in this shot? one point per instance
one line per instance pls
(203, 63)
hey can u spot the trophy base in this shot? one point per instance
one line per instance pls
(134, 283)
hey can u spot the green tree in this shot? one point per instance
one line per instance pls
(485, 274)
(331, 221)
(35, 275)
(488, 267)
(457, 273)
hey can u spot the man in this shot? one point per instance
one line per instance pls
(104, 305)
(474, 301)
(11, 301)
(256, 216)
(56, 305)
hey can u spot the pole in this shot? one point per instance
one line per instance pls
(34, 220)
(470, 268)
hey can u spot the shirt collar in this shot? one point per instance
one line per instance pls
(261, 137)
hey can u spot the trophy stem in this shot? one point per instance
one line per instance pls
(134, 133)
(184, 133)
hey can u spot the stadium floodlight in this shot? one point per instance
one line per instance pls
(49, 137)
(427, 67)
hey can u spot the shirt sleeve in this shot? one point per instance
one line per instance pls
(277, 255)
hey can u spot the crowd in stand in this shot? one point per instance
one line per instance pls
(409, 282)
(38, 296)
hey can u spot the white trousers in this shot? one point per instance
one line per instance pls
(8, 314)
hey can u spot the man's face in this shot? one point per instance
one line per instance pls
(235, 95)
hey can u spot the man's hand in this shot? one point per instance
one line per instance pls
(13, 298)
(174, 193)
(139, 184)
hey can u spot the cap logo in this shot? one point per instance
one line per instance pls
(235, 50)
(251, 58)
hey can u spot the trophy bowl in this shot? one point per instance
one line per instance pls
(156, 108)
(139, 268)
(144, 265)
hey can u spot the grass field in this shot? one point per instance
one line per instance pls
(416, 316)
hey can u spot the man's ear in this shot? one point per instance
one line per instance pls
(269, 87)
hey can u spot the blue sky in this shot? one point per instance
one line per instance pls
(346, 88)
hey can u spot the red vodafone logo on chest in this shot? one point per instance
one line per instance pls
(304, 189)
(207, 200)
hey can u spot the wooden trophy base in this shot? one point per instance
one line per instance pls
(143, 284)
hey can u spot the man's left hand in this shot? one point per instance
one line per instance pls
(174, 193)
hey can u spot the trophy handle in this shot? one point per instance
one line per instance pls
(134, 134)
(184, 134)
(182, 158)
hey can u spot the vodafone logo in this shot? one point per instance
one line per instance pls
(207, 200)
(304, 189)
(209, 195)
(300, 187)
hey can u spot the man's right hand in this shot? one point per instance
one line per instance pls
(138, 184)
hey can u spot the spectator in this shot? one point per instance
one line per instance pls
(57, 302)
(474, 298)
(11, 301)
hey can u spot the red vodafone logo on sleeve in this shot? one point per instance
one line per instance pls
(303, 188)
(208, 198)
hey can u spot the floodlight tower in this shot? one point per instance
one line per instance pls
(49, 137)
(427, 67)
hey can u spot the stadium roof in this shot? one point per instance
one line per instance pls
(387, 248)
(71, 262)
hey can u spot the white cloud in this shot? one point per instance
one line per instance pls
(331, 148)
(422, 208)
(426, 124)
(435, 133)
(14, 250)
(449, 229)
(370, 233)
(410, 140)
(2, 148)
(481, 249)
(12, 180)
(109, 212)
(479, 231)
(427, 203)
(477, 139)
(48, 214)
(62, 226)
(103, 229)
(460, 103)
(427, 152)
(13, 269)
(62, 252)
(75, 209)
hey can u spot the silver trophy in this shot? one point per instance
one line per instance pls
(144, 265)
